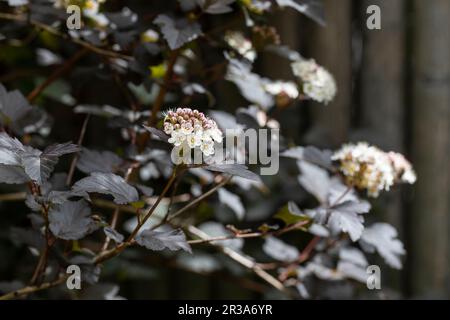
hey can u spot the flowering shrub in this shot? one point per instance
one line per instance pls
(92, 204)
(191, 127)
(318, 83)
(367, 167)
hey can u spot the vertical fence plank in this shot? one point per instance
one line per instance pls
(288, 25)
(331, 47)
(382, 83)
(430, 141)
(382, 75)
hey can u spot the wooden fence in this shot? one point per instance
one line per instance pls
(394, 91)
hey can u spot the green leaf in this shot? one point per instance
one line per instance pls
(290, 214)
(138, 204)
(158, 71)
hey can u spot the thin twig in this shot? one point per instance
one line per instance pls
(49, 29)
(119, 248)
(76, 156)
(116, 213)
(200, 198)
(16, 196)
(153, 208)
(294, 226)
(172, 195)
(68, 64)
(30, 289)
(244, 261)
(113, 225)
(305, 254)
(19, 73)
(230, 237)
(163, 89)
(42, 262)
(157, 104)
(102, 203)
(39, 266)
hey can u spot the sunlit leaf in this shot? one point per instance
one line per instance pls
(232, 201)
(346, 217)
(279, 250)
(382, 237)
(315, 180)
(159, 240)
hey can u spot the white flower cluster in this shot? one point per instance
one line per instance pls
(192, 128)
(402, 168)
(278, 87)
(367, 167)
(237, 41)
(318, 83)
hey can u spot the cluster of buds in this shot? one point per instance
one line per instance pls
(367, 167)
(193, 129)
(242, 45)
(318, 83)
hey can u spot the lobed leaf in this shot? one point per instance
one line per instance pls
(113, 234)
(177, 32)
(39, 165)
(159, 240)
(107, 183)
(346, 217)
(233, 169)
(382, 238)
(98, 161)
(232, 201)
(13, 106)
(279, 250)
(71, 220)
(315, 180)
